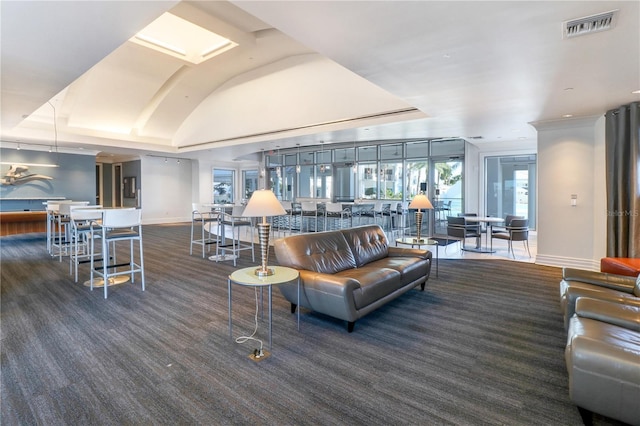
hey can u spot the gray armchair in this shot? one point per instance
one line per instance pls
(516, 230)
(459, 229)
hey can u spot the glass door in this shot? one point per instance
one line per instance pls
(510, 187)
(446, 193)
(344, 188)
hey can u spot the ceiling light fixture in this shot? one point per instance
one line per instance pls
(214, 49)
(182, 39)
(161, 44)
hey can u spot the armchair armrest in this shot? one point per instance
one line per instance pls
(619, 314)
(572, 295)
(615, 282)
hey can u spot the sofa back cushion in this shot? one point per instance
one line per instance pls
(325, 252)
(368, 243)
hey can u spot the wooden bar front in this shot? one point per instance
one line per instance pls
(22, 222)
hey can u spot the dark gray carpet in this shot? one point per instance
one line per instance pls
(482, 345)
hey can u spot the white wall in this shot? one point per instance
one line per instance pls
(571, 161)
(166, 190)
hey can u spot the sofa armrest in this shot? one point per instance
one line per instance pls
(409, 252)
(571, 296)
(615, 282)
(332, 284)
(620, 314)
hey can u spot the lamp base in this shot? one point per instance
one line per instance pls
(264, 272)
(253, 356)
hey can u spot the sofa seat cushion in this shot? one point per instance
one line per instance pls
(375, 283)
(410, 268)
(620, 266)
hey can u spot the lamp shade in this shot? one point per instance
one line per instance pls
(263, 202)
(420, 201)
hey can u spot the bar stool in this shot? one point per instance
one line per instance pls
(235, 222)
(119, 225)
(51, 208)
(83, 226)
(204, 219)
(62, 225)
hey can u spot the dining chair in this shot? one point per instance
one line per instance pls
(458, 229)
(119, 225)
(517, 230)
(507, 222)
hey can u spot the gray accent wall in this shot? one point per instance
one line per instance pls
(73, 179)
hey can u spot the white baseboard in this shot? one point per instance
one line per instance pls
(570, 262)
(164, 220)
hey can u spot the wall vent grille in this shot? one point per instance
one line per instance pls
(590, 24)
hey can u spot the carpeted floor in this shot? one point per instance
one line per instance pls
(483, 344)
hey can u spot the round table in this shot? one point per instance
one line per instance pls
(247, 277)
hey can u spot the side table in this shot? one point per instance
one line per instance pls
(413, 242)
(247, 277)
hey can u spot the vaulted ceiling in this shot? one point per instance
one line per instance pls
(307, 71)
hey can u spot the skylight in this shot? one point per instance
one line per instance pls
(182, 39)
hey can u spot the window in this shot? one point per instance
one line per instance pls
(391, 181)
(223, 187)
(368, 181)
(250, 182)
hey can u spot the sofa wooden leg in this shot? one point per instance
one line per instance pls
(293, 308)
(587, 416)
(422, 286)
(350, 326)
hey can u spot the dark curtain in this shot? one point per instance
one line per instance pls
(622, 141)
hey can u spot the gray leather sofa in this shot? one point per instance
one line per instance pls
(602, 318)
(598, 285)
(603, 359)
(349, 273)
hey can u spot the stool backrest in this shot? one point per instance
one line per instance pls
(65, 208)
(121, 218)
(82, 213)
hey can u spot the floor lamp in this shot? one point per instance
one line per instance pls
(420, 202)
(263, 202)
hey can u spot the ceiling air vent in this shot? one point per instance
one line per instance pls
(590, 24)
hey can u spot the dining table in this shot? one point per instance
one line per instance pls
(489, 221)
